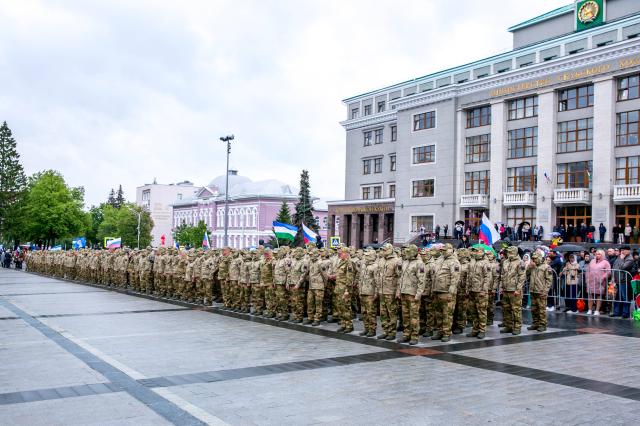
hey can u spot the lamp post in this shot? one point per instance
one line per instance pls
(228, 140)
(139, 214)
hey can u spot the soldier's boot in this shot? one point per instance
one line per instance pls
(363, 333)
(445, 339)
(381, 336)
(506, 330)
(499, 325)
(473, 334)
(457, 331)
(340, 330)
(413, 342)
(315, 323)
(436, 336)
(405, 339)
(532, 327)
(542, 328)
(371, 334)
(480, 335)
(427, 333)
(390, 337)
(516, 332)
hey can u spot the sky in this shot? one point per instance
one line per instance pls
(124, 92)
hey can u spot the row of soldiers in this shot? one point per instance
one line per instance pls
(432, 292)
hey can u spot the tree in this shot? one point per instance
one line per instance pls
(304, 209)
(12, 182)
(52, 209)
(284, 216)
(123, 223)
(111, 200)
(191, 236)
(96, 216)
(119, 197)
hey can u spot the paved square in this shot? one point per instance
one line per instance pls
(76, 354)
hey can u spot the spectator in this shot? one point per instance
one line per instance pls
(555, 262)
(437, 232)
(422, 232)
(571, 273)
(540, 233)
(602, 230)
(598, 273)
(458, 230)
(446, 230)
(611, 256)
(464, 242)
(622, 273)
(636, 231)
(627, 234)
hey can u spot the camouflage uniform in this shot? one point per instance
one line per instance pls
(368, 287)
(317, 282)
(512, 281)
(391, 267)
(540, 277)
(345, 274)
(446, 276)
(411, 286)
(479, 281)
(460, 310)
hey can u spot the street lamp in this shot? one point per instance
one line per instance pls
(228, 140)
(139, 214)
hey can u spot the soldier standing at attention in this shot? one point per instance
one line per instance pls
(479, 282)
(345, 275)
(391, 267)
(266, 282)
(280, 272)
(223, 276)
(410, 289)
(297, 277)
(255, 290)
(512, 281)
(368, 290)
(317, 282)
(460, 302)
(540, 280)
(446, 276)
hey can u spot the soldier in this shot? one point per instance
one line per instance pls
(460, 310)
(480, 277)
(446, 276)
(345, 274)
(512, 279)
(429, 259)
(391, 267)
(296, 279)
(189, 278)
(234, 278)
(317, 281)
(410, 289)
(266, 283)
(280, 273)
(255, 289)
(540, 280)
(244, 284)
(368, 290)
(146, 270)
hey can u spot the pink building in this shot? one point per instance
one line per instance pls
(253, 206)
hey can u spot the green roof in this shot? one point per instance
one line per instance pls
(556, 12)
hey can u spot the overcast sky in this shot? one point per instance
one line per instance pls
(122, 92)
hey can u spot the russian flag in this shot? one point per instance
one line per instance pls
(488, 234)
(205, 241)
(114, 244)
(309, 235)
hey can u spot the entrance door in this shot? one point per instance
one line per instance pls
(572, 217)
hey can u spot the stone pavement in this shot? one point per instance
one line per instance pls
(78, 354)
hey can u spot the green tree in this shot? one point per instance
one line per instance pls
(52, 210)
(96, 216)
(123, 222)
(12, 185)
(304, 209)
(120, 201)
(111, 200)
(191, 236)
(284, 216)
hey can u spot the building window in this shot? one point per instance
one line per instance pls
(523, 108)
(146, 195)
(366, 193)
(518, 215)
(478, 149)
(424, 154)
(378, 136)
(392, 163)
(366, 167)
(354, 112)
(575, 135)
(377, 192)
(627, 128)
(367, 138)
(574, 175)
(418, 222)
(381, 106)
(425, 120)
(477, 182)
(367, 110)
(394, 133)
(523, 143)
(576, 97)
(477, 117)
(392, 190)
(179, 196)
(627, 170)
(574, 215)
(522, 179)
(377, 165)
(423, 188)
(628, 87)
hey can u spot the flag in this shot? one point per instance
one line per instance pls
(56, 248)
(205, 240)
(488, 234)
(309, 235)
(176, 245)
(162, 240)
(284, 231)
(79, 243)
(114, 244)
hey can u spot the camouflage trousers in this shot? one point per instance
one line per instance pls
(410, 316)
(460, 311)
(258, 298)
(327, 303)
(491, 307)
(158, 281)
(538, 310)
(282, 303)
(245, 296)
(369, 308)
(207, 290)
(270, 299)
(224, 288)
(389, 314)
(343, 307)
(216, 289)
(315, 304)
(512, 310)
(231, 288)
(146, 284)
(198, 291)
(443, 313)
(134, 282)
(429, 322)
(478, 311)
(297, 303)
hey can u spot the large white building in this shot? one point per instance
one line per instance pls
(547, 133)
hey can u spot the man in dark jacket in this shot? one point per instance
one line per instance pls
(603, 230)
(621, 275)
(556, 265)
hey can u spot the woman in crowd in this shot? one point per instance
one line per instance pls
(598, 273)
(571, 273)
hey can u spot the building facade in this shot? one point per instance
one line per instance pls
(253, 206)
(545, 134)
(157, 200)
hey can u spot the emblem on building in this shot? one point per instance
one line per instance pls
(588, 12)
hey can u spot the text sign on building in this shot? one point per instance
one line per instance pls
(589, 14)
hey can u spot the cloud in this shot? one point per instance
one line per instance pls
(120, 92)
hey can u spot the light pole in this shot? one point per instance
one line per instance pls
(228, 140)
(139, 214)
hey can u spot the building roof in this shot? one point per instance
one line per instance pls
(552, 14)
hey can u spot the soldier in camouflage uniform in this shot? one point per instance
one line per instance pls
(390, 270)
(295, 281)
(223, 276)
(540, 277)
(460, 309)
(318, 276)
(445, 276)
(368, 290)
(495, 285)
(280, 273)
(480, 277)
(255, 289)
(410, 288)
(266, 283)
(345, 275)
(234, 279)
(512, 279)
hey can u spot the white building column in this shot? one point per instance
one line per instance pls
(547, 141)
(497, 163)
(460, 158)
(604, 136)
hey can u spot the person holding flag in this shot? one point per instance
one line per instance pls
(487, 234)
(205, 241)
(309, 236)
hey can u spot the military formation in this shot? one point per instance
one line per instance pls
(434, 292)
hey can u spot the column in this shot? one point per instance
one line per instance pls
(380, 229)
(547, 137)
(604, 136)
(367, 229)
(343, 229)
(460, 148)
(497, 163)
(355, 230)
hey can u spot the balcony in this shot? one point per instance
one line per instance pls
(474, 200)
(572, 196)
(522, 198)
(626, 194)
